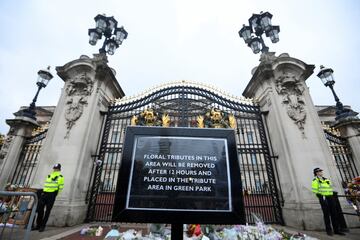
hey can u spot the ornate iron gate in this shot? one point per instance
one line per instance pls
(342, 155)
(183, 103)
(28, 159)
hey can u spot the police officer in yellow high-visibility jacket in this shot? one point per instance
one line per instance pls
(54, 184)
(321, 186)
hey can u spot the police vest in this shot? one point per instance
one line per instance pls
(322, 186)
(54, 182)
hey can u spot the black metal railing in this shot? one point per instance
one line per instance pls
(24, 171)
(354, 202)
(343, 157)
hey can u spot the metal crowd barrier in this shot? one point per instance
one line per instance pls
(17, 212)
(354, 201)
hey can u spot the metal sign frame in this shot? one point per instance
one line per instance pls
(235, 214)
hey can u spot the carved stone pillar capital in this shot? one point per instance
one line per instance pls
(291, 89)
(21, 126)
(81, 77)
(353, 122)
(287, 77)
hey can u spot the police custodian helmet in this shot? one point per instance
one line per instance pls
(317, 170)
(57, 166)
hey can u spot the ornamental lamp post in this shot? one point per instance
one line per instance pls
(252, 34)
(44, 76)
(327, 78)
(107, 27)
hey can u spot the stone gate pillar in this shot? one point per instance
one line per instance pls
(349, 128)
(74, 133)
(296, 135)
(20, 128)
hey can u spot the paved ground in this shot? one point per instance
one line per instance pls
(73, 233)
(353, 234)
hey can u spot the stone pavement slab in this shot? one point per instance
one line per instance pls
(353, 234)
(73, 233)
(49, 233)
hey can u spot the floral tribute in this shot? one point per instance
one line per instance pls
(258, 231)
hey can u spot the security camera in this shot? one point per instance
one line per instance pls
(98, 162)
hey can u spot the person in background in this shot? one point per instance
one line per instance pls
(323, 190)
(53, 185)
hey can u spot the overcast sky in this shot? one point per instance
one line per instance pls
(171, 40)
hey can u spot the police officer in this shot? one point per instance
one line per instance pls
(54, 184)
(322, 188)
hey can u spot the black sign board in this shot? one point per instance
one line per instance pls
(179, 175)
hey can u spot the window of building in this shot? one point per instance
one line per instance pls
(257, 181)
(253, 158)
(258, 185)
(107, 184)
(110, 158)
(115, 137)
(250, 137)
(22, 179)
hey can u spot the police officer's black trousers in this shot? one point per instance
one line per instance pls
(47, 200)
(329, 210)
